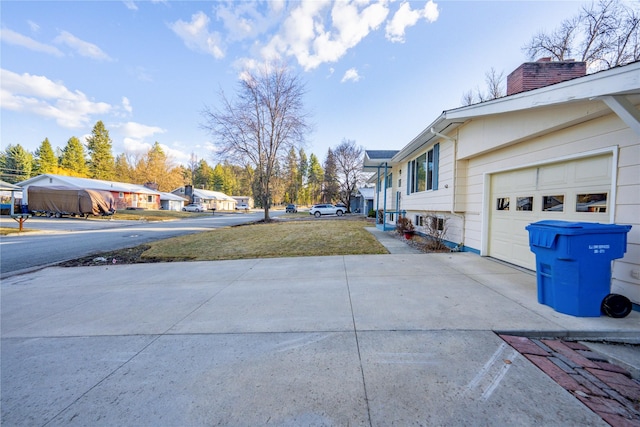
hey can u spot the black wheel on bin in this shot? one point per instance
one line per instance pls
(616, 306)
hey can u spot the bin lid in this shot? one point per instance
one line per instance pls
(571, 228)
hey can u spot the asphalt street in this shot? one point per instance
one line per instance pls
(61, 239)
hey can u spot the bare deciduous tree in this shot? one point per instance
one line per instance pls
(604, 34)
(495, 89)
(348, 157)
(260, 126)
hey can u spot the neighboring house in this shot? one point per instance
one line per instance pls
(171, 202)
(126, 195)
(210, 199)
(364, 200)
(244, 199)
(9, 194)
(569, 151)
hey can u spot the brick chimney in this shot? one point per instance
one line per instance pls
(544, 72)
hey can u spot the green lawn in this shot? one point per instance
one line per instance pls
(277, 239)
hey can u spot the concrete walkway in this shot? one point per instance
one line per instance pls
(393, 245)
(372, 340)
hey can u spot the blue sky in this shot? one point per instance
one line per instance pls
(377, 72)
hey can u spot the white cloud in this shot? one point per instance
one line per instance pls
(135, 146)
(313, 39)
(33, 26)
(130, 4)
(313, 32)
(138, 131)
(196, 35)
(11, 37)
(350, 76)
(82, 47)
(40, 96)
(135, 136)
(126, 105)
(406, 17)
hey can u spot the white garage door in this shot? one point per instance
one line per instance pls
(570, 191)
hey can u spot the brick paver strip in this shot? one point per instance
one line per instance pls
(576, 345)
(606, 366)
(618, 421)
(603, 405)
(561, 348)
(619, 382)
(565, 380)
(594, 390)
(562, 365)
(524, 345)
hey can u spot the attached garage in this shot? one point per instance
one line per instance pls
(575, 190)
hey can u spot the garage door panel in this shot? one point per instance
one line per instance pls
(574, 189)
(552, 176)
(592, 170)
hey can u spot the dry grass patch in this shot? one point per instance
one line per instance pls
(279, 239)
(151, 215)
(4, 231)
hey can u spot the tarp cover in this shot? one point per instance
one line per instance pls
(69, 200)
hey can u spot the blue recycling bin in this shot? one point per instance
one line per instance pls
(573, 263)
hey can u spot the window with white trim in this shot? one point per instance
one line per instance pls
(423, 171)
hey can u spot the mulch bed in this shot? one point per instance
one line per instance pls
(422, 243)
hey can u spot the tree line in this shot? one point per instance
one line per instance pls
(297, 178)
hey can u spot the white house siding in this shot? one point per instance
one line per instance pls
(625, 271)
(438, 202)
(606, 135)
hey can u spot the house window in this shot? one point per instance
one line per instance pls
(502, 204)
(594, 202)
(524, 203)
(121, 195)
(150, 199)
(390, 180)
(423, 171)
(553, 203)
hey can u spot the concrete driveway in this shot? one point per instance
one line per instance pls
(341, 340)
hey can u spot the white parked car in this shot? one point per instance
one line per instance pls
(242, 206)
(194, 207)
(326, 209)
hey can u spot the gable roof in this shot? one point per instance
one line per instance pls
(7, 186)
(212, 195)
(171, 196)
(367, 192)
(618, 88)
(205, 194)
(374, 158)
(93, 184)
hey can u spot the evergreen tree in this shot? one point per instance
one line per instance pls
(101, 161)
(203, 176)
(331, 190)
(315, 177)
(291, 177)
(123, 169)
(217, 178)
(16, 164)
(304, 197)
(74, 159)
(46, 160)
